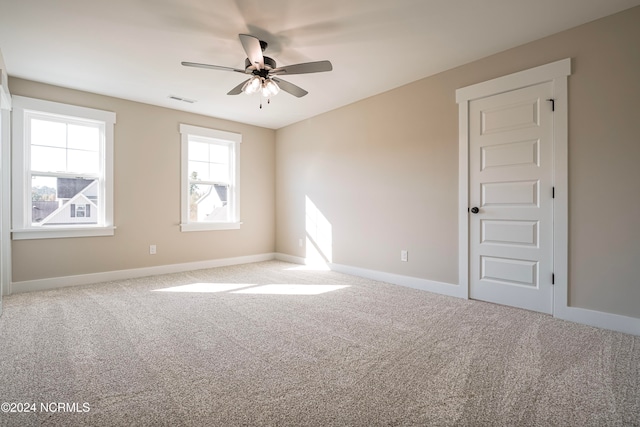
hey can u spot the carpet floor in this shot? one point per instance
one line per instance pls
(276, 344)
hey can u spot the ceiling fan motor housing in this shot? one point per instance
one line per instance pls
(269, 64)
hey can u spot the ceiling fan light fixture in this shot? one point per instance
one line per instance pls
(252, 86)
(270, 87)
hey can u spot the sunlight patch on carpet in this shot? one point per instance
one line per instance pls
(205, 287)
(319, 266)
(291, 289)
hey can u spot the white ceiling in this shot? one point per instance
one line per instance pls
(132, 49)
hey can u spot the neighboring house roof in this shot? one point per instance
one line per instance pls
(69, 187)
(42, 209)
(222, 192)
(80, 198)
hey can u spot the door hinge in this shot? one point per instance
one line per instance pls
(553, 278)
(553, 192)
(553, 103)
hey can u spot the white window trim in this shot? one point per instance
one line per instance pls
(21, 230)
(228, 137)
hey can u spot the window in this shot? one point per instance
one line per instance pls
(62, 170)
(80, 211)
(210, 179)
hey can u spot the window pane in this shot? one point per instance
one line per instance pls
(52, 134)
(43, 198)
(84, 137)
(48, 159)
(219, 153)
(208, 203)
(43, 188)
(198, 151)
(83, 161)
(219, 172)
(199, 171)
(63, 201)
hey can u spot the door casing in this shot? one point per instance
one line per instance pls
(557, 73)
(5, 179)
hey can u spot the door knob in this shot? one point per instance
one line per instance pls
(475, 210)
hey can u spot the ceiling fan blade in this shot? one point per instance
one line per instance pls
(306, 68)
(212, 67)
(290, 88)
(238, 89)
(253, 50)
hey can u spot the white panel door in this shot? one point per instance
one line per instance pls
(510, 194)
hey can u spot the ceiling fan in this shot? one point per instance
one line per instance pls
(263, 71)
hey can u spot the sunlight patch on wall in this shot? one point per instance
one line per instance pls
(319, 244)
(291, 289)
(205, 287)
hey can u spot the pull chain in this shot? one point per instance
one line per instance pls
(268, 102)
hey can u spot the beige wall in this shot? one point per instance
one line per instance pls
(147, 195)
(384, 171)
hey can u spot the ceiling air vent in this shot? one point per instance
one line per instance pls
(178, 98)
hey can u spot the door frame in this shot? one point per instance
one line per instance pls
(5, 180)
(557, 73)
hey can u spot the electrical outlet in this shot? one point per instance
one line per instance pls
(152, 249)
(300, 242)
(404, 256)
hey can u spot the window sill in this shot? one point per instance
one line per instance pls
(208, 226)
(61, 233)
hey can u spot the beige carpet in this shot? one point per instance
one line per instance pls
(228, 347)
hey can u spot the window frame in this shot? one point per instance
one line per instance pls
(231, 139)
(24, 109)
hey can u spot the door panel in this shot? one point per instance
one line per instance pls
(505, 194)
(510, 181)
(509, 271)
(519, 115)
(510, 232)
(510, 154)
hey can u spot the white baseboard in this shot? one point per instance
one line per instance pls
(396, 279)
(599, 319)
(87, 279)
(291, 258)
